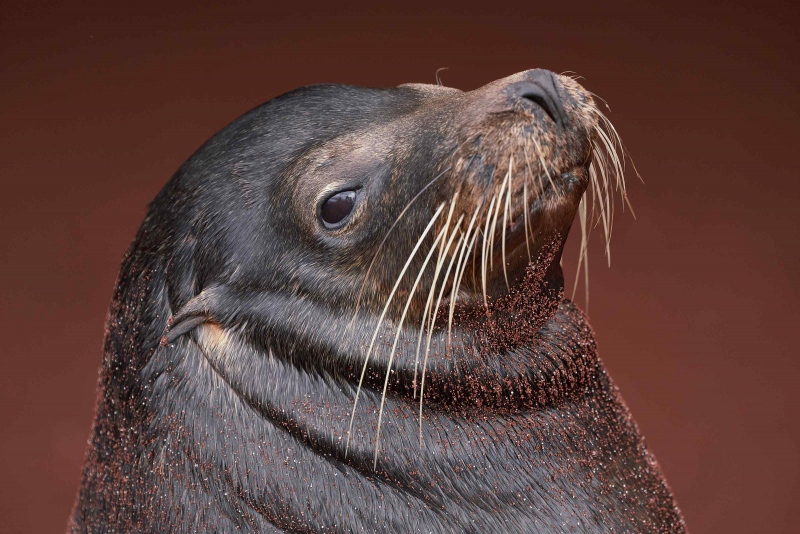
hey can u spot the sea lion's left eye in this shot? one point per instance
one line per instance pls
(336, 208)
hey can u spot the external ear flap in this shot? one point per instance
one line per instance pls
(181, 327)
(194, 313)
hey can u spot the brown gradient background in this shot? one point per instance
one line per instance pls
(696, 318)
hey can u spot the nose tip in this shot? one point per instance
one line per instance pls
(541, 89)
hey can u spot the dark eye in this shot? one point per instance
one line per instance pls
(336, 208)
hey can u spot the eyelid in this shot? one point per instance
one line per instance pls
(341, 210)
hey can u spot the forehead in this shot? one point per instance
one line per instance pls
(278, 131)
(325, 110)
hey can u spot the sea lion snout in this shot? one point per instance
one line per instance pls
(541, 89)
(526, 144)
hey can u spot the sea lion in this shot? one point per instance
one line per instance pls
(345, 313)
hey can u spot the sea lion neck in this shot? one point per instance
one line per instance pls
(532, 349)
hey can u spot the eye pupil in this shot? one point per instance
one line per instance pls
(337, 208)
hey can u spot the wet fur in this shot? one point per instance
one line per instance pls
(235, 340)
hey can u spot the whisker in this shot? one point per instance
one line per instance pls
(432, 324)
(439, 262)
(469, 250)
(618, 168)
(608, 198)
(625, 155)
(494, 224)
(505, 217)
(538, 150)
(582, 257)
(459, 267)
(606, 173)
(538, 176)
(484, 249)
(429, 301)
(457, 282)
(525, 215)
(386, 237)
(617, 142)
(594, 95)
(602, 195)
(396, 339)
(572, 74)
(383, 315)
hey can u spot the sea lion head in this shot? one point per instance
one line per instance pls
(335, 194)
(359, 232)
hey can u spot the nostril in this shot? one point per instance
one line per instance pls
(542, 99)
(539, 88)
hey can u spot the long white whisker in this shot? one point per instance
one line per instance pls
(624, 151)
(460, 274)
(386, 237)
(432, 322)
(460, 267)
(431, 292)
(605, 191)
(494, 224)
(396, 339)
(538, 176)
(606, 173)
(539, 155)
(583, 258)
(505, 217)
(484, 250)
(525, 215)
(602, 196)
(469, 250)
(383, 315)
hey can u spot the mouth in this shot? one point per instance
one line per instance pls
(549, 208)
(528, 230)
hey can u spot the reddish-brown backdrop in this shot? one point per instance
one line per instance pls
(695, 319)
